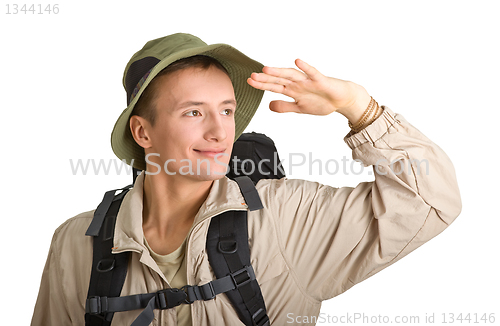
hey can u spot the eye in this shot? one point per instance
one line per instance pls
(193, 115)
(228, 111)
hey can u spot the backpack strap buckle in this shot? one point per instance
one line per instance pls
(96, 305)
(170, 298)
(260, 318)
(207, 291)
(241, 277)
(199, 292)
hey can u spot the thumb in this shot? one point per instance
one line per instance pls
(283, 106)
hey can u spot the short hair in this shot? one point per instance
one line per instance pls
(145, 106)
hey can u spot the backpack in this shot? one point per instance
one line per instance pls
(227, 249)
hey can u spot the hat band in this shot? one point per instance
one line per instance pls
(139, 85)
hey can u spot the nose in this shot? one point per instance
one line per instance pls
(216, 130)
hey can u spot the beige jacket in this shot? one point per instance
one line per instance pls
(310, 243)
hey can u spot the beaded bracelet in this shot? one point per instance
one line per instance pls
(363, 124)
(365, 115)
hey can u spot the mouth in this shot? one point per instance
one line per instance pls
(210, 152)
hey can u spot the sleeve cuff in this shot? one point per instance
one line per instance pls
(376, 130)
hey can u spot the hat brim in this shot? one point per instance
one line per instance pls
(248, 98)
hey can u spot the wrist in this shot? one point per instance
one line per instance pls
(355, 110)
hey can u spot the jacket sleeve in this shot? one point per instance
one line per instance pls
(51, 304)
(333, 238)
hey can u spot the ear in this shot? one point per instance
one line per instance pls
(139, 127)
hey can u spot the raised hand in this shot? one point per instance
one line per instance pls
(313, 92)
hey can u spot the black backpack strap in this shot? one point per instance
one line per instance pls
(229, 254)
(108, 270)
(163, 299)
(249, 192)
(102, 209)
(135, 174)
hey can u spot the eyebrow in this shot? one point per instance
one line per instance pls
(195, 103)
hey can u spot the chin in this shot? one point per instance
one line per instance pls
(210, 177)
(210, 174)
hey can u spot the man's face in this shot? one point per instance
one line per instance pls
(195, 122)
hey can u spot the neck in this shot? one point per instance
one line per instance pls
(171, 202)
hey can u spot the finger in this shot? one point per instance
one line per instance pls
(276, 88)
(265, 78)
(283, 106)
(288, 73)
(309, 70)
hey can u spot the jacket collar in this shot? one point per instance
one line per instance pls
(224, 195)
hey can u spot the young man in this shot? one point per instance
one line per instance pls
(188, 103)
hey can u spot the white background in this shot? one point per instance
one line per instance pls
(434, 62)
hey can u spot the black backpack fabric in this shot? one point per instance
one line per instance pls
(255, 156)
(227, 249)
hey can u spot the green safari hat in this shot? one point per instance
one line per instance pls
(157, 55)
